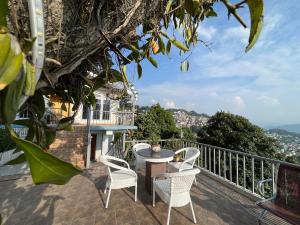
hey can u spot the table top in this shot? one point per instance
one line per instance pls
(164, 155)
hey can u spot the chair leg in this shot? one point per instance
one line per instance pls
(194, 218)
(135, 193)
(261, 216)
(108, 196)
(169, 214)
(195, 181)
(105, 188)
(153, 197)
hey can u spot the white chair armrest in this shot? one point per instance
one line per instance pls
(180, 150)
(118, 160)
(120, 168)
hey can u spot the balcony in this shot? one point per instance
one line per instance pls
(98, 117)
(125, 118)
(220, 197)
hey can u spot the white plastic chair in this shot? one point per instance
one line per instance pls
(139, 161)
(175, 189)
(121, 177)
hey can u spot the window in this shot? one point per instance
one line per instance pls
(96, 113)
(24, 114)
(106, 110)
(85, 112)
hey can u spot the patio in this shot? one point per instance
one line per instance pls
(81, 202)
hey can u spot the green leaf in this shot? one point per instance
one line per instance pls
(164, 34)
(211, 13)
(38, 104)
(13, 63)
(184, 67)
(161, 44)
(191, 6)
(20, 159)
(116, 75)
(168, 49)
(3, 13)
(179, 45)
(44, 167)
(30, 79)
(50, 135)
(139, 70)
(153, 61)
(256, 8)
(27, 45)
(168, 7)
(12, 96)
(64, 123)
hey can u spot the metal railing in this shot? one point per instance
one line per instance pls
(112, 117)
(239, 169)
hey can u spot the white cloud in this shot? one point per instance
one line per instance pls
(206, 33)
(268, 100)
(153, 101)
(239, 103)
(169, 104)
(236, 33)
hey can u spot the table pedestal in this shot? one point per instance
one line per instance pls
(152, 169)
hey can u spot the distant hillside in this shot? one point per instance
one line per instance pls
(283, 132)
(184, 118)
(191, 113)
(290, 127)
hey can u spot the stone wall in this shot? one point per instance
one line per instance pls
(71, 146)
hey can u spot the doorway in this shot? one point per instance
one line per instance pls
(93, 147)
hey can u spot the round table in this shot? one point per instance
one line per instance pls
(156, 163)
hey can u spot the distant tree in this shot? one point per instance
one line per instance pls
(156, 121)
(188, 134)
(238, 133)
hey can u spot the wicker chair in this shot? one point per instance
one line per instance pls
(286, 201)
(190, 156)
(175, 189)
(121, 177)
(139, 161)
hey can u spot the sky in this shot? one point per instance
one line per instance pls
(263, 85)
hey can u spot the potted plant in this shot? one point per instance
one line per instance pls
(155, 146)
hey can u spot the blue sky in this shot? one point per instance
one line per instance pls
(262, 85)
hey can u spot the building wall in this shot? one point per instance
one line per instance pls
(71, 146)
(101, 96)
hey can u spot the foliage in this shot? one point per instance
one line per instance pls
(6, 142)
(238, 133)
(188, 134)
(156, 122)
(72, 57)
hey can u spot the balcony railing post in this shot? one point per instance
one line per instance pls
(237, 169)
(253, 178)
(209, 157)
(230, 166)
(244, 170)
(214, 161)
(273, 179)
(205, 157)
(262, 174)
(224, 164)
(219, 161)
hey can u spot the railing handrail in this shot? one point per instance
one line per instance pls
(224, 149)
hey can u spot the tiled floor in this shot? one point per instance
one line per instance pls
(81, 202)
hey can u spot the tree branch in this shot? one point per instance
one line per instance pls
(232, 10)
